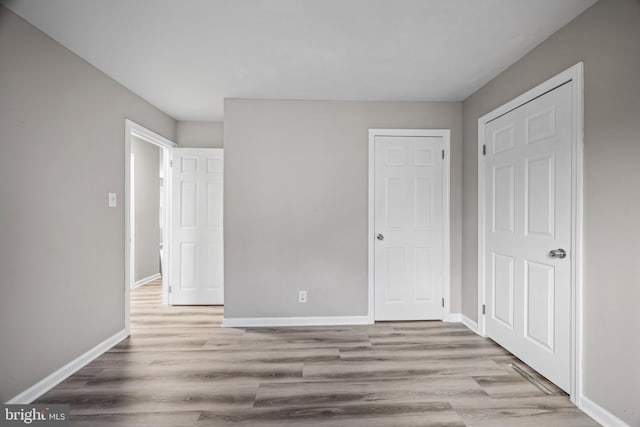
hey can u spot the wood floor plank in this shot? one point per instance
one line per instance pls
(154, 419)
(218, 373)
(403, 390)
(277, 355)
(379, 414)
(530, 411)
(147, 399)
(402, 369)
(181, 368)
(507, 386)
(420, 353)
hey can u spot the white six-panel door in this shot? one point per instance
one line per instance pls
(528, 215)
(196, 227)
(408, 226)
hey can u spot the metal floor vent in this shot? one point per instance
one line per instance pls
(543, 388)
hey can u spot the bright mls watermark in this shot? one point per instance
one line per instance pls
(35, 415)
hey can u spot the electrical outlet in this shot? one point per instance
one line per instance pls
(302, 296)
(113, 200)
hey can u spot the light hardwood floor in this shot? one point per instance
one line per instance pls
(180, 368)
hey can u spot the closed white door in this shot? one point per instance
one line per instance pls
(528, 232)
(196, 227)
(408, 224)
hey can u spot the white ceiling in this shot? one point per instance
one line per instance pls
(186, 56)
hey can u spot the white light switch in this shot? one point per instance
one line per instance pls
(113, 200)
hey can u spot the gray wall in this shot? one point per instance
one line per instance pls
(200, 134)
(295, 205)
(607, 38)
(147, 208)
(61, 247)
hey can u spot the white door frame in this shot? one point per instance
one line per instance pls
(446, 241)
(133, 129)
(132, 224)
(574, 74)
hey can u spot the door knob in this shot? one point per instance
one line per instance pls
(558, 253)
(380, 237)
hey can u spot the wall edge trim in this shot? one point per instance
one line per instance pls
(470, 324)
(146, 280)
(452, 317)
(61, 374)
(256, 322)
(599, 414)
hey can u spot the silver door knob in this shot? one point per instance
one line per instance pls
(558, 253)
(380, 237)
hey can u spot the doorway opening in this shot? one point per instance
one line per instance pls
(147, 213)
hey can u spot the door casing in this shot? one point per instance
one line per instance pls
(445, 134)
(574, 74)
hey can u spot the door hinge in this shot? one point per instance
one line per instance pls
(443, 154)
(484, 309)
(170, 163)
(442, 302)
(169, 289)
(484, 150)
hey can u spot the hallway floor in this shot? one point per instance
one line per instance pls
(180, 368)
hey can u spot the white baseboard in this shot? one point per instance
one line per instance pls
(470, 324)
(50, 381)
(452, 317)
(599, 414)
(258, 322)
(146, 280)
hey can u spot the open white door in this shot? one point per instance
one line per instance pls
(528, 184)
(409, 226)
(196, 227)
